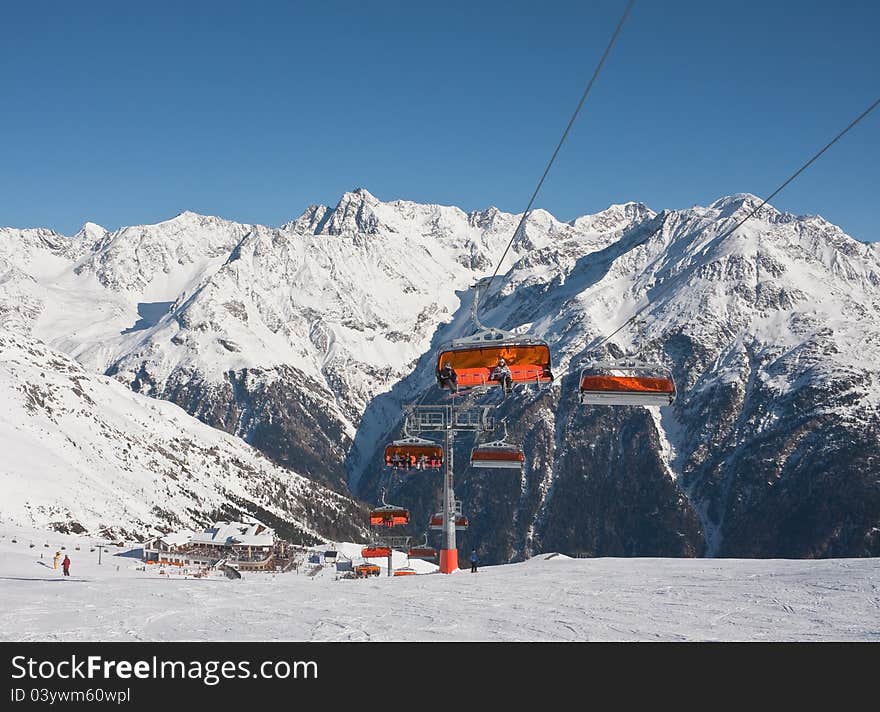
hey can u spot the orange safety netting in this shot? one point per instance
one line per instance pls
(627, 384)
(497, 454)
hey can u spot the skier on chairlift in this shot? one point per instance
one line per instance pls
(447, 378)
(501, 373)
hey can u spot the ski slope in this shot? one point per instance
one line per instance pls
(548, 598)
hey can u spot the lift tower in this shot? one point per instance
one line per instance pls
(449, 419)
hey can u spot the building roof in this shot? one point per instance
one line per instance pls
(235, 533)
(172, 538)
(177, 538)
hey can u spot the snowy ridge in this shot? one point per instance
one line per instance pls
(330, 310)
(83, 453)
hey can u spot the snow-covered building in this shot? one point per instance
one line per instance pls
(243, 545)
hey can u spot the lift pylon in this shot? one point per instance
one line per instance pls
(449, 419)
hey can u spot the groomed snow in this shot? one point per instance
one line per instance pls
(548, 598)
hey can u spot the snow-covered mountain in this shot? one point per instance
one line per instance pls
(771, 449)
(81, 452)
(305, 340)
(281, 336)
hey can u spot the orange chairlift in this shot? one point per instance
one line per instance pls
(461, 521)
(498, 454)
(412, 453)
(626, 381)
(422, 551)
(376, 552)
(474, 357)
(388, 515)
(405, 571)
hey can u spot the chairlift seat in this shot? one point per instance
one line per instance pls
(414, 454)
(497, 455)
(375, 552)
(425, 553)
(389, 516)
(461, 522)
(527, 359)
(615, 383)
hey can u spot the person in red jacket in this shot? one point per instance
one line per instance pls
(66, 565)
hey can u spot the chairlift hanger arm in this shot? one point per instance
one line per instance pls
(475, 306)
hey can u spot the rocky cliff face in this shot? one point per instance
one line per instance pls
(770, 448)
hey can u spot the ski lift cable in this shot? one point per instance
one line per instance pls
(571, 121)
(801, 169)
(754, 212)
(624, 324)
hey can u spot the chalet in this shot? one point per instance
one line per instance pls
(246, 546)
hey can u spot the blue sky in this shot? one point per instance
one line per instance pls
(123, 114)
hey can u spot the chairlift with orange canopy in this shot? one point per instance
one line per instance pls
(474, 357)
(498, 454)
(422, 551)
(626, 382)
(461, 522)
(376, 552)
(388, 515)
(411, 453)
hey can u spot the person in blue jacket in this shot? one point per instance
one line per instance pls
(473, 561)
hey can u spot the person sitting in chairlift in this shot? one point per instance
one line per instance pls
(501, 373)
(448, 378)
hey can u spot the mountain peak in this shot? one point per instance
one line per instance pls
(484, 219)
(188, 216)
(730, 204)
(91, 231)
(616, 216)
(354, 213)
(359, 195)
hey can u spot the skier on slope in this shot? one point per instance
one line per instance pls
(473, 561)
(55, 559)
(66, 565)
